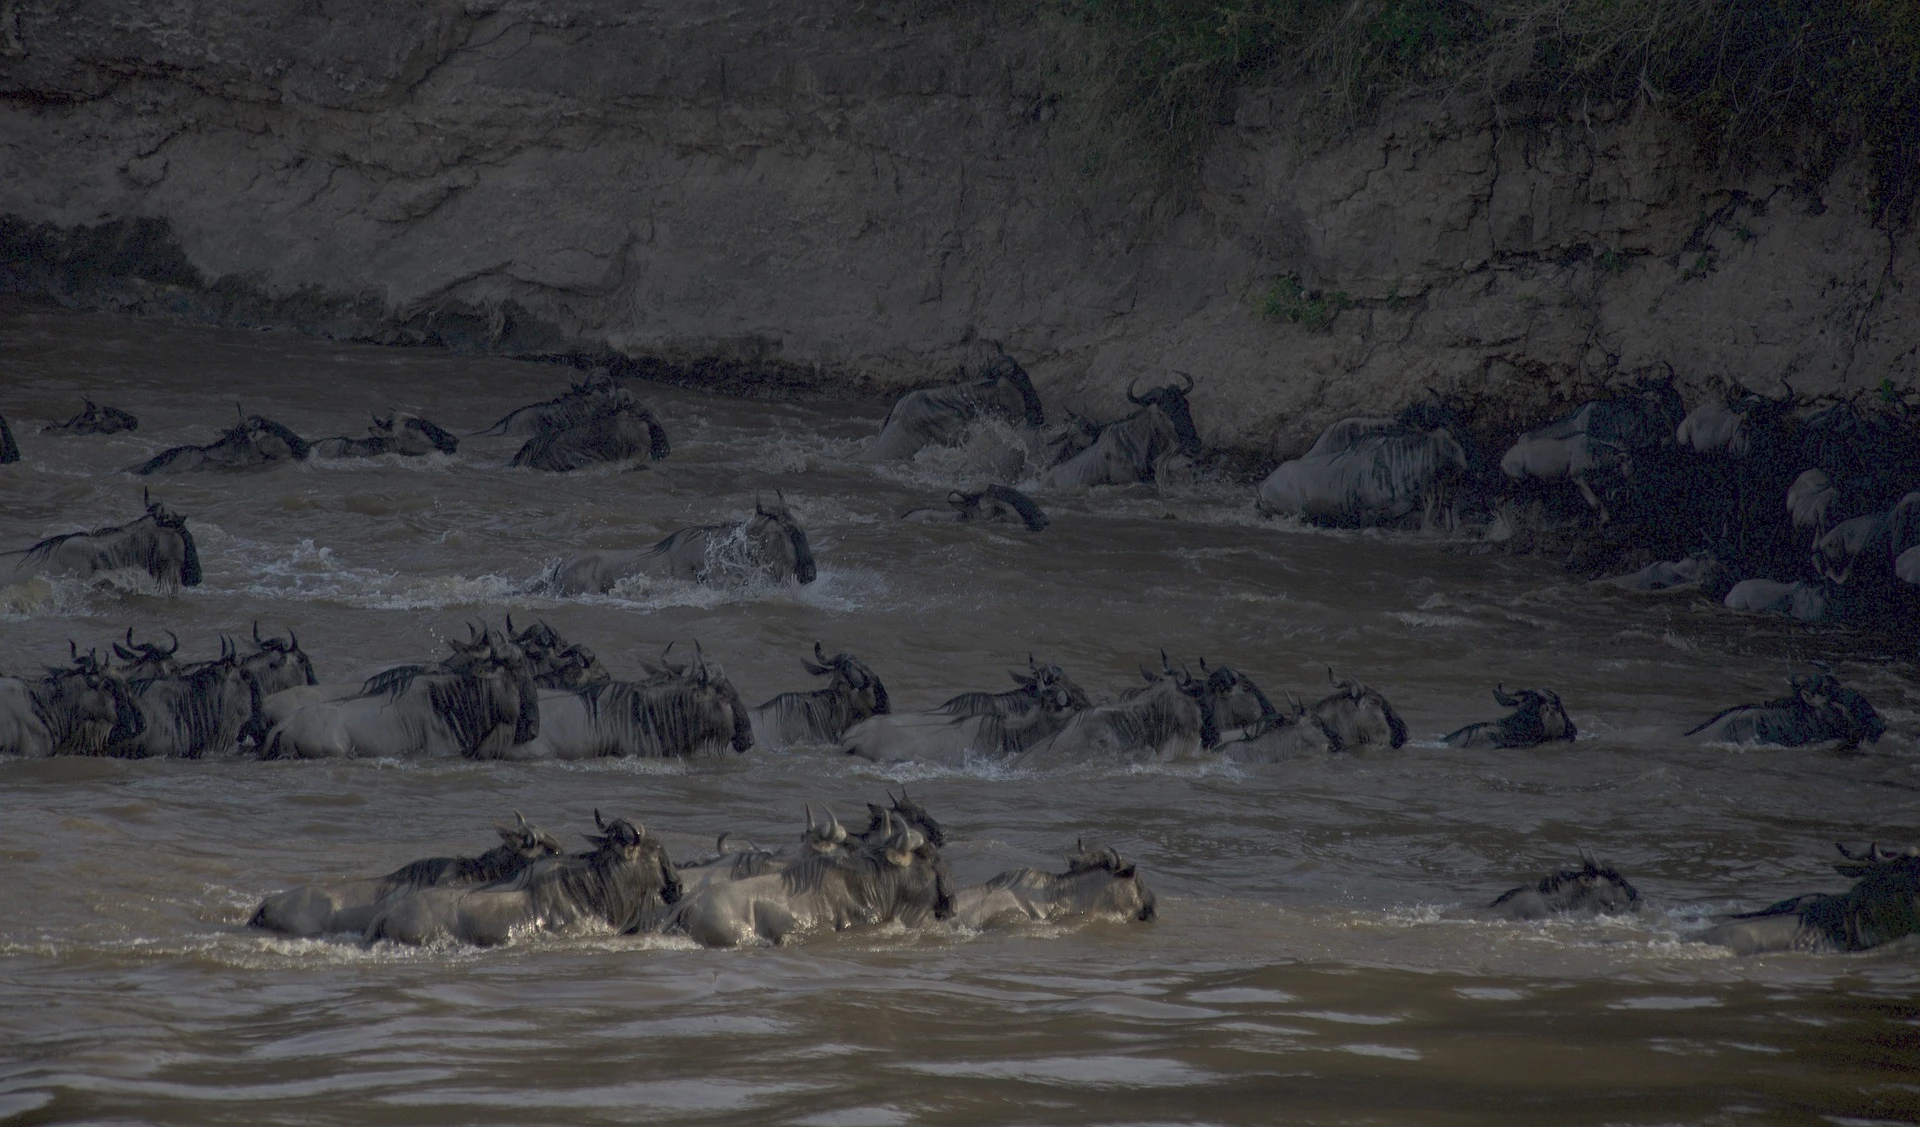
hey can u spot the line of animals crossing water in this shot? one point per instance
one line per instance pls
(1720, 492)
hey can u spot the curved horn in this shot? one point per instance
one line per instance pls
(808, 808)
(292, 638)
(818, 654)
(256, 633)
(1131, 397)
(1501, 696)
(123, 653)
(175, 648)
(1187, 378)
(835, 831)
(73, 650)
(598, 820)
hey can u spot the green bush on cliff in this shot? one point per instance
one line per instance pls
(1800, 81)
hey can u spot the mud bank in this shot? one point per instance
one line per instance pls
(857, 198)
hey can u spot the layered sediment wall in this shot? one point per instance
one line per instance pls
(861, 197)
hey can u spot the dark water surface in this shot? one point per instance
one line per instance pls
(1315, 959)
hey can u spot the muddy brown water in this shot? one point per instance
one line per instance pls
(1316, 958)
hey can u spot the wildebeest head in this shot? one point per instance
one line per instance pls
(144, 659)
(998, 503)
(1051, 686)
(270, 438)
(1235, 699)
(781, 539)
(1874, 859)
(1590, 887)
(822, 837)
(708, 676)
(1006, 373)
(169, 521)
(278, 664)
(527, 839)
(1355, 713)
(1538, 710)
(1123, 893)
(1172, 400)
(627, 403)
(851, 677)
(905, 811)
(1845, 711)
(917, 859)
(87, 704)
(627, 844)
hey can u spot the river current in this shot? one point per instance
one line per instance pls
(1317, 957)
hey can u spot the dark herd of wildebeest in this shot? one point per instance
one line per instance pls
(1769, 504)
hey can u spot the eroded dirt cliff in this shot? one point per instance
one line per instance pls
(863, 197)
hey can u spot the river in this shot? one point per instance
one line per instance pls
(1316, 958)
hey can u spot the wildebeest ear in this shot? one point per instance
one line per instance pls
(1023, 682)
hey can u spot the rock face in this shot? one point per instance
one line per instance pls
(833, 193)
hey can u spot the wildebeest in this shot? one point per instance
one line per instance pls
(75, 710)
(1169, 719)
(940, 416)
(685, 711)
(350, 905)
(626, 883)
(622, 430)
(580, 402)
(94, 419)
(974, 726)
(412, 711)
(1808, 602)
(401, 432)
(899, 877)
(253, 442)
(202, 708)
(1362, 472)
(1863, 540)
(9, 450)
(993, 503)
(1820, 709)
(1591, 889)
(157, 544)
(1695, 572)
(769, 545)
(1538, 717)
(1883, 905)
(1598, 446)
(1135, 448)
(1906, 566)
(821, 716)
(1097, 883)
(1355, 715)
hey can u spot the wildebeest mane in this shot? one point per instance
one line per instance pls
(662, 718)
(128, 546)
(195, 714)
(462, 703)
(600, 884)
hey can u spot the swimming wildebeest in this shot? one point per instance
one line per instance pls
(253, 442)
(1591, 888)
(401, 432)
(941, 416)
(1352, 716)
(768, 545)
(993, 503)
(679, 712)
(1808, 602)
(94, 419)
(350, 905)
(580, 402)
(1172, 718)
(623, 430)
(1538, 716)
(1362, 472)
(1098, 882)
(823, 715)
(1140, 447)
(73, 710)
(202, 708)
(1883, 905)
(900, 877)
(414, 711)
(9, 450)
(624, 884)
(157, 544)
(1820, 709)
(1701, 572)
(976, 725)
